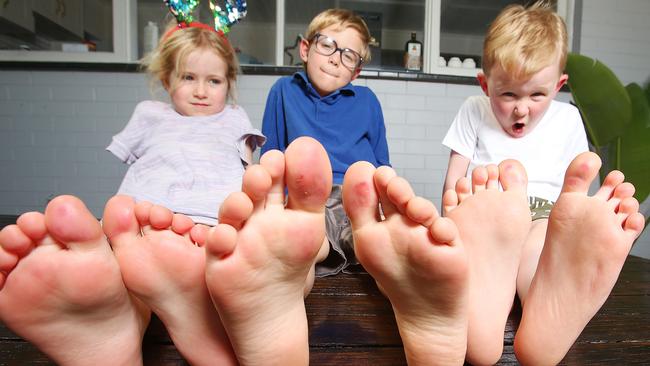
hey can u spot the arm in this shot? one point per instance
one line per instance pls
(456, 169)
(248, 151)
(273, 122)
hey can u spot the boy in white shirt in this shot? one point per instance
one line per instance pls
(524, 55)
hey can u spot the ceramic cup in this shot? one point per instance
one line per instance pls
(455, 62)
(469, 63)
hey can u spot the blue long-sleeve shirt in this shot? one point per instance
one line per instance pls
(348, 122)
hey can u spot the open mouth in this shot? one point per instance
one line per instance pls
(518, 127)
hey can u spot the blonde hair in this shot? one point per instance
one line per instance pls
(166, 62)
(524, 40)
(344, 19)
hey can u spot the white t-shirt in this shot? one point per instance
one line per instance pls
(545, 152)
(187, 164)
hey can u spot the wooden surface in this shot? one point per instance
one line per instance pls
(351, 323)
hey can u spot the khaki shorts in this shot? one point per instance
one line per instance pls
(338, 230)
(539, 208)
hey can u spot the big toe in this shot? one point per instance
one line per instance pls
(69, 222)
(308, 175)
(119, 218)
(581, 172)
(512, 176)
(360, 199)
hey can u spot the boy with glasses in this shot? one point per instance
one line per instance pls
(322, 103)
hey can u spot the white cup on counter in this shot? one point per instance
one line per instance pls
(455, 62)
(469, 63)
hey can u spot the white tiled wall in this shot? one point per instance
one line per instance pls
(54, 126)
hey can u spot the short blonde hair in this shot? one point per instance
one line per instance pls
(167, 61)
(523, 40)
(344, 19)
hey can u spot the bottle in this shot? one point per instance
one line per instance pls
(150, 37)
(413, 54)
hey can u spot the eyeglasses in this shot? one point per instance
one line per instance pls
(326, 46)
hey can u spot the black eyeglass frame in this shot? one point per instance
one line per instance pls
(317, 36)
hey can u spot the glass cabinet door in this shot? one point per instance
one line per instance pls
(253, 38)
(66, 30)
(391, 23)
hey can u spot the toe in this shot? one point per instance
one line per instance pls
(181, 224)
(220, 241)
(444, 231)
(634, 225)
(493, 177)
(479, 179)
(463, 189)
(612, 180)
(581, 172)
(199, 234)
(69, 222)
(142, 212)
(308, 175)
(382, 178)
(160, 217)
(449, 201)
(257, 182)
(360, 199)
(422, 211)
(120, 218)
(15, 241)
(399, 192)
(7, 262)
(512, 176)
(273, 163)
(32, 224)
(236, 209)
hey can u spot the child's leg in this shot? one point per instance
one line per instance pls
(61, 288)
(163, 267)
(261, 253)
(493, 225)
(417, 259)
(587, 241)
(530, 253)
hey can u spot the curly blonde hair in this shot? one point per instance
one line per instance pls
(523, 40)
(167, 61)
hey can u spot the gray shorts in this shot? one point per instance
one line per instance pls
(338, 230)
(539, 208)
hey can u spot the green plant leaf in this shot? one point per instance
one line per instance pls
(600, 96)
(634, 153)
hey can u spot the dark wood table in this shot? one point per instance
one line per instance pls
(351, 323)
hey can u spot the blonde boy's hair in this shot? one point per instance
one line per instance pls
(524, 40)
(166, 62)
(345, 19)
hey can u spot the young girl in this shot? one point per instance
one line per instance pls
(190, 154)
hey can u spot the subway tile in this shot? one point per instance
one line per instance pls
(116, 94)
(387, 86)
(29, 93)
(53, 109)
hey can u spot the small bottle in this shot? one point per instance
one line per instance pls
(413, 54)
(150, 37)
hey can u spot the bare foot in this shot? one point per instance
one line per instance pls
(493, 225)
(261, 254)
(587, 241)
(417, 259)
(163, 267)
(61, 288)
